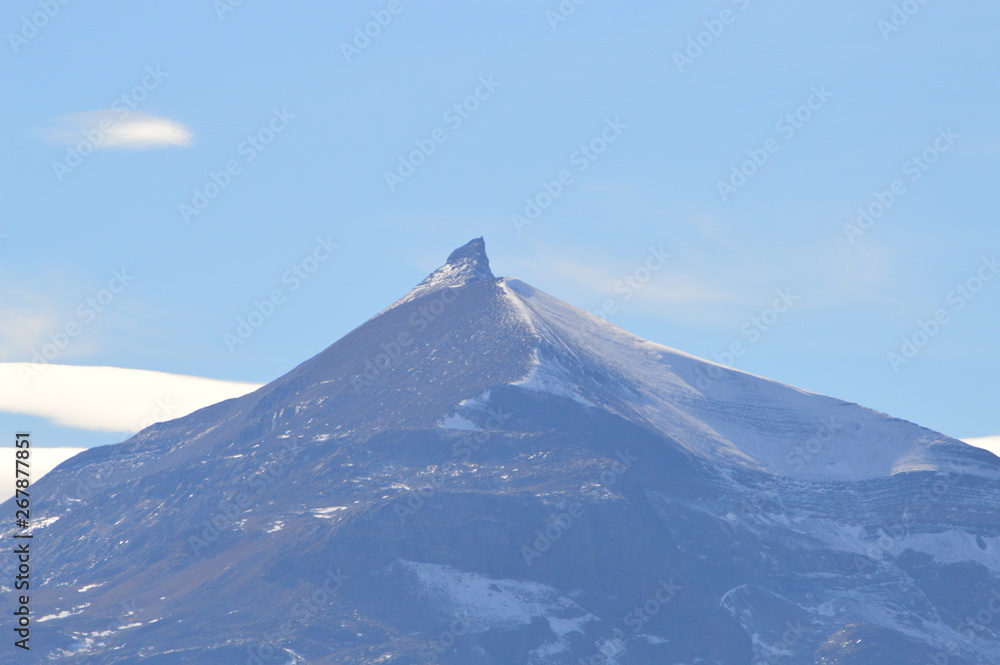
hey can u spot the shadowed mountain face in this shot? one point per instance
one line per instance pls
(484, 475)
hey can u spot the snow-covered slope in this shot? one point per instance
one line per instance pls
(721, 414)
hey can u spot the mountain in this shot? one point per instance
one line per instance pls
(482, 474)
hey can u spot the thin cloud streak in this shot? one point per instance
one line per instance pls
(109, 129)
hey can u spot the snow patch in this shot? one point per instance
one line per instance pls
(59, 615)
(549, 377)
(483, 603)
(65, 613)
(327, 513)
(44, 522)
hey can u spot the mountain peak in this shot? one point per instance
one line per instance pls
(465, 265)
(520, 413)
(469, 261)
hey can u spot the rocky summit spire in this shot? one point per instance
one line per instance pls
(466, 264)
(470, 261)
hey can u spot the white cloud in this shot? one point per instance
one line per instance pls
(108, 399)
(43, 460)
(120, 128)
(990, 443)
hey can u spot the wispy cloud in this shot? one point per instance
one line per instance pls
(677, 288)
(718, 268)
(990, 443)
(120, 129)
(109, 399)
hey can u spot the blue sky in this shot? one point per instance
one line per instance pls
(623, 123)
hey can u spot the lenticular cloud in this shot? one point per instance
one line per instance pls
(121, 129)
(108, 399)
